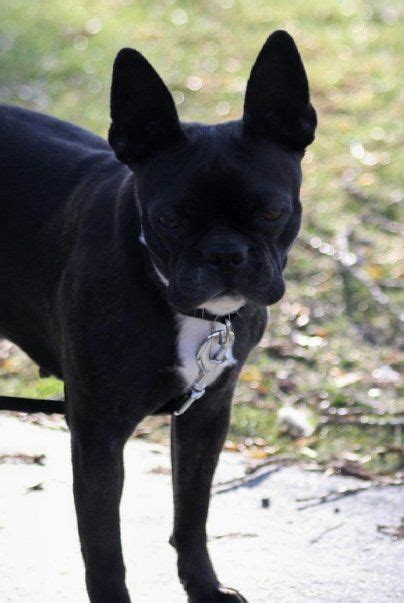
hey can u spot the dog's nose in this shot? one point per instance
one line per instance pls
(229, 256)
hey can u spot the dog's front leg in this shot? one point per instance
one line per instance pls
(97, 455)
(197, 439)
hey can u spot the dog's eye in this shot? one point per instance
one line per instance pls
(169, 221)
(272, 215)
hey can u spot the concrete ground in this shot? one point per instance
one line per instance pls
(331, 552)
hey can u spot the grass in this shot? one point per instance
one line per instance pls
(330, 347)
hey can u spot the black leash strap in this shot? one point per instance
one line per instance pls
(32, 405)
(50, 407)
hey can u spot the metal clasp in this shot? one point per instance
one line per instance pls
(206, 356)
(208, 361)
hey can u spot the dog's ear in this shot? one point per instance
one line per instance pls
(144, 118)
(277, 101)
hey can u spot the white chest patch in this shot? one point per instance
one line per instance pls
(191, 333)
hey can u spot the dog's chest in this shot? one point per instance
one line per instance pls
(192, 332)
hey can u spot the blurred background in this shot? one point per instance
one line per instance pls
(324, 384)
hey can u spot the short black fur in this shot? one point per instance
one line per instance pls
(100, 254)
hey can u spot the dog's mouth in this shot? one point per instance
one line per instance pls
(195, 288)
(217, 301)
(224, 302)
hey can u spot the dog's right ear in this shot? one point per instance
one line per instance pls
(144, 117)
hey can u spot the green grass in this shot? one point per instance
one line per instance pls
(329, 345)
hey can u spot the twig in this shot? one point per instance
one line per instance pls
(331, 529)
(34, 488)
(396, 532)
(254, 473)
(331, 496)
(360, 411)
(347, 263)
(364, 421)
(235, 535)
(283, 459)
(395, 448)
(335, 495)
(383, 223)
(244, 480)
(21, 458)
(376, 204)
(372, 200)
(392, 283)
(354, 470)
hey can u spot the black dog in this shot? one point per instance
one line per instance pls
(143, 281)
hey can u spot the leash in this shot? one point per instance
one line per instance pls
(212, 353)
(32, 405)
(208, 360)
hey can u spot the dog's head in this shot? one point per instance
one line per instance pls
(219, 203)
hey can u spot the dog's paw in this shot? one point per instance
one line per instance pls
(229, 595)
(220, 595)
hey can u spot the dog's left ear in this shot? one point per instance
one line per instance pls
(277, 101)
(144, 117)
